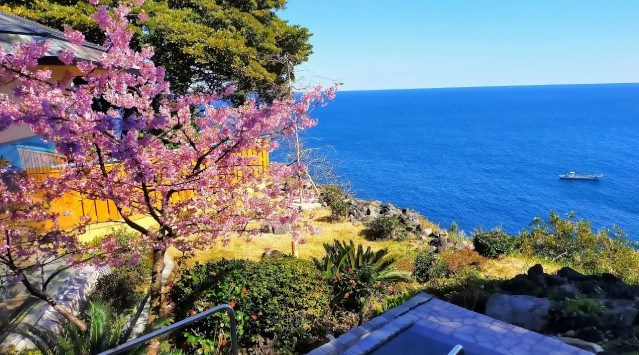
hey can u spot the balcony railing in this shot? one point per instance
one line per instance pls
(181, 324)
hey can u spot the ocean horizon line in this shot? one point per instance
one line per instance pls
(488, 87)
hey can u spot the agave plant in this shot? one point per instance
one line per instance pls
(104, 332)
(354, 273)
(341, 256)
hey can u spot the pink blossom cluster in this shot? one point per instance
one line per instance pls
(129, 140)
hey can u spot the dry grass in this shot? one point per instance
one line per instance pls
(510, 266)
(503, 268)
(312, 247)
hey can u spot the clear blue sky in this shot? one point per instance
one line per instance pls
(396, 44)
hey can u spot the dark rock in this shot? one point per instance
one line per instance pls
(525, 311)
(571, 274)
(441, 242)
(372, 212)
(536, 275)
(591, 334)
(581, 344)
(567, 290)
(554, 280)
(386, 208)
(266, 229)
(281, 229)
(621, 316)
(620, 303)
(619, 289)
(606, 277)
(272, 254)
(587, 286)
(520, 284)
(536, 271)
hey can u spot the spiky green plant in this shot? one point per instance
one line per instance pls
(105, 330)
(354, 273)
(340, 256)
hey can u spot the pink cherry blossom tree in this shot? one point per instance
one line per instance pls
(127, 139)
(28, 254)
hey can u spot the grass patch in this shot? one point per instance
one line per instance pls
(405, 251)
(510, 266)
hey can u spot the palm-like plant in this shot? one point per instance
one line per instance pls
(341, 256)
(104, 332)
(355, 272)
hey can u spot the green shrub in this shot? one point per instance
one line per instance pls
(104, 331)
(573, 242)
(575, 313)
(280, 298)
(334, 198)
(493, 244)
(119, 289)
(460, 260)
(386, 227)
(424, 262)
(389, 301)
(468, 290)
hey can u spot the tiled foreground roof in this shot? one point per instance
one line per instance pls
(15, 29)
(425, 325)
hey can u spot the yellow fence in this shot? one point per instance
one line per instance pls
(72, 207)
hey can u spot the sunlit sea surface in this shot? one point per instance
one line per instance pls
(490, 156)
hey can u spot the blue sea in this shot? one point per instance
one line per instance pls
(490, 156)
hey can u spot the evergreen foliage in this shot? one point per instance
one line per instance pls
(213, 43)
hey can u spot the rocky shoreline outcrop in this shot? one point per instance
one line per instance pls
(568, 304)
(364, 211)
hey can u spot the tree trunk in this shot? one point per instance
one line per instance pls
(63, 311)
(156, 285)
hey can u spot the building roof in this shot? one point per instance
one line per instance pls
(15, 29)
(425, 325)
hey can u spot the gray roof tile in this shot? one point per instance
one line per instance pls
(15, 29)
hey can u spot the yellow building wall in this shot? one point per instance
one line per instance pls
(72, 207)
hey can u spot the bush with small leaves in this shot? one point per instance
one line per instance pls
(460, 260)
(386, 227)
(334, 198)
(119, 289)
(279, 298)
(574, 242)
(574, 313)
(424, 262)
(493, 244)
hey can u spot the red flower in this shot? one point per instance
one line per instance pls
(191, 313)
(244, 291)
(223, 342)
(207, 308)
(232, 303)
(254, 317)
(350, 269)
(346, 295)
